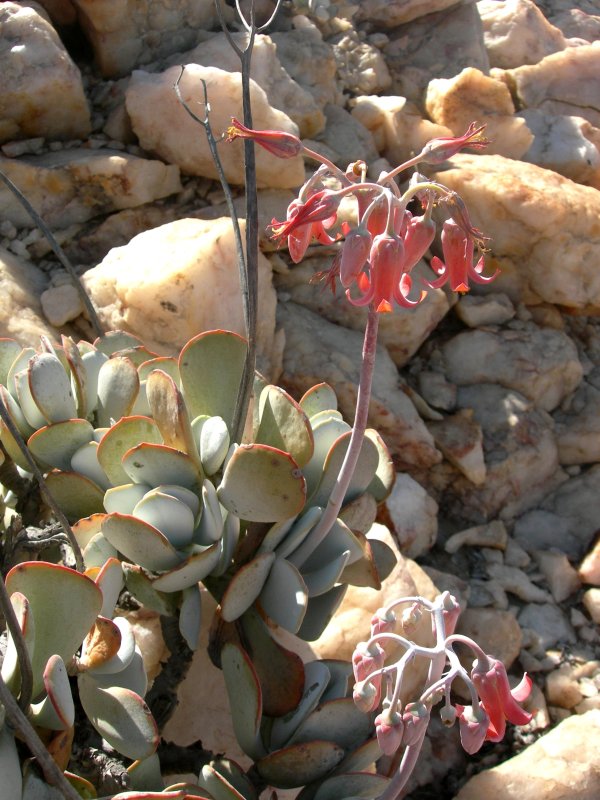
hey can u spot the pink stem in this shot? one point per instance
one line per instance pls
(338, 492)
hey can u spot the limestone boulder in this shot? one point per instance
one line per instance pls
(309, 60)
(361, 66)
(567, 145)
(390, 13)
(438, 45)
(544, 229)
(560, 764)
(317, 350)
(283, 91)
(520, 455)
(516, 32)
(397, 126)
(125, 34)
(471, 95)
(41, 92)
(541, 364)
(177, 280)
(72, 186)
(164, 127)
(566, 519)
(412, 514)
(561, 83)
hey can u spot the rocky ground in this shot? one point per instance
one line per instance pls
(490, 403)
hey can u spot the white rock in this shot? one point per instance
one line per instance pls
(516, 32)
(476, 310)
(581, 23)
(361, 66)
(349, 139)
(41, 93)
(413, 514)
(561, 577)
(589, 569)
(317, 350)
(591, 601)
(549, 622)
(436, 390)
(437, 45)
(389, 13)
(283, 92)
(562, 688)
(567, 519)
(402, 332)
(61, 304)
(497, 632)
(491, 535)
(578, 427)
(542, 364)
(21, 284)
(74, 185)
(471, 95)
(165, 128)
(172, 282)
(460, 439)
(309, 60)
(544, 230)
(520, 469)
(562, 83)
(397, 126)
(515, 581)
(127, 33)
(560, 764)
(567, 145)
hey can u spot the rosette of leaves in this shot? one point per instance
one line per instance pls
(66, 619)
(62, 398)
(322, 742)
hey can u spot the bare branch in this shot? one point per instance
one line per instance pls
(58, 251)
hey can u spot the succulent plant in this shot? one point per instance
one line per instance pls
(137, 451)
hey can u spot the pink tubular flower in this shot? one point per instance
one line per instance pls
(419, 235)
(474, 724)
(366, 696)
(386, 280)
(355, 252)
(389, 729)
(279, 143)
(305, 220)
(497, 699)
(458, 248)
(438, 150)
(383, 621)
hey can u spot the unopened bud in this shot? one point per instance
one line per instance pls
(365, 696)
(383, 621)
(411, 617)
(448, 716)
(389, 729)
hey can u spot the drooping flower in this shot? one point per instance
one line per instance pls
(386, 280)
(438, 150)
(474, 724)
(279, 143)
(383, 621)
(416, 719)
(366, 696)
(498, 700)
(305, 220)
(457, 268)
(389, 728)
(355, 252)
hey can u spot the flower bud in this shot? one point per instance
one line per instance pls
(365, 696)
(366, 659)
(474, 724)
(448, 716)
(389, 729)
(438, 150)
(355, 252)
(411, 617)
(415, 718)
(383, 621)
